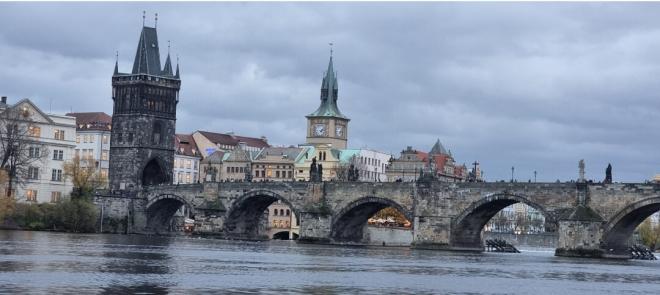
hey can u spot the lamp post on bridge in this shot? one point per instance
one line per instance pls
(512, 169)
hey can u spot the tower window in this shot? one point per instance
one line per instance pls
(157, 133)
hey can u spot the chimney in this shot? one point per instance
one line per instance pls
(242, 145)
(4, 100)
(264, 139)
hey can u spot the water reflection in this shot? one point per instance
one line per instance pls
(41, 262)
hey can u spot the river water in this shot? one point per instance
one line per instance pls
(42, 262)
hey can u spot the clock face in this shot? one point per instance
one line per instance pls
(319, 130)
(339, 131)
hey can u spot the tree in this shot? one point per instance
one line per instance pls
(84, 176)
(649, 233)
(19, 148)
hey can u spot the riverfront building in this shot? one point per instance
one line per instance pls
(93, 131)
(46, 142)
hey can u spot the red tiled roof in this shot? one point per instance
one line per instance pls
(92, 121)
(233, 140)
(185, 145)
(422, 156)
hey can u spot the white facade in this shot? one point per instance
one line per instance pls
(186, 169)
(55, 135)
(94, 144)
(371, 164)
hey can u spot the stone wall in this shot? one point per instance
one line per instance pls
(388, 236)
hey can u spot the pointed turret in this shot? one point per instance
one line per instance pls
(147, 56)
(116, 68)
(177, 68)
(167, 71)
(438, 149)
(329, 95)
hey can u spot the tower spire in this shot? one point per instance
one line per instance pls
(144, 17)
(116, 62)
(177, 67)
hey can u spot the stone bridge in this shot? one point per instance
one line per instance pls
(592, 220)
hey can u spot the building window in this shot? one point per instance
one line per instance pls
(104, 155)
(180, 177)
(188, 164)
(104, 173)
(288, 212)
(55, 197)
(277, 174)
(31, 195)
(105, 139)
(58, 155)
(77, 138)
(275, 212)
(282, 212)
(289, 174)
(34, 152)
(188, 179)
(86, 138)
(33, 173)
(57, 175)
(34, 131)
(59, 134)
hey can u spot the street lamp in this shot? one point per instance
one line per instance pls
(512, 169)
(534, 175)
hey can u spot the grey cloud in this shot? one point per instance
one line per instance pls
(537, 86)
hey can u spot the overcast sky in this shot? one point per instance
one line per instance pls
(536, 86)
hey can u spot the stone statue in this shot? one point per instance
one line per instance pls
(608, 174)
(581, 167)
(319, 173)
(313, 170)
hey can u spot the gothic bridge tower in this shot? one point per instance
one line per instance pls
(143, 118)
(327, 125)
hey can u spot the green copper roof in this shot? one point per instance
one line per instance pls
(329, 90)
(347, 155)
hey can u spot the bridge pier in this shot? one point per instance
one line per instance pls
(580, 234)
(315, 228)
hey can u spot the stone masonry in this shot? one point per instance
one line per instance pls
(447, 216)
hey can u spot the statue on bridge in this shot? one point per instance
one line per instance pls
(315, 171)
(608, 174)
(581, 167)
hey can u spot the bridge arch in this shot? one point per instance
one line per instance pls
(466, 228)
(348, 224)
(161, 209)
(243, 217)
(618, 230)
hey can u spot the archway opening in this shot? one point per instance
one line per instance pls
(631, 228)
(374, 221)
(283, 235)
(253, 217)
(154, 174)
(161, 216)
(504, 217)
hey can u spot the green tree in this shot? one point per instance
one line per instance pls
(649, 233)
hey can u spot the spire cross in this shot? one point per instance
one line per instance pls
(168, 47)
(117, 56)
(144, 16)
(156, 23)
(330, 48)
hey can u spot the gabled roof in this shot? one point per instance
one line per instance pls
(329, 90)
(233, 140)
(279, 154)
(43, 115)
(185, 145)
(214, 158)
(92, 121)
(438, 149)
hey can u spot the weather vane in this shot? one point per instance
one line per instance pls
(156, 23)
(168, 46)
(144, 16)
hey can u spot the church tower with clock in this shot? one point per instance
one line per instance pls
(327, 125)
